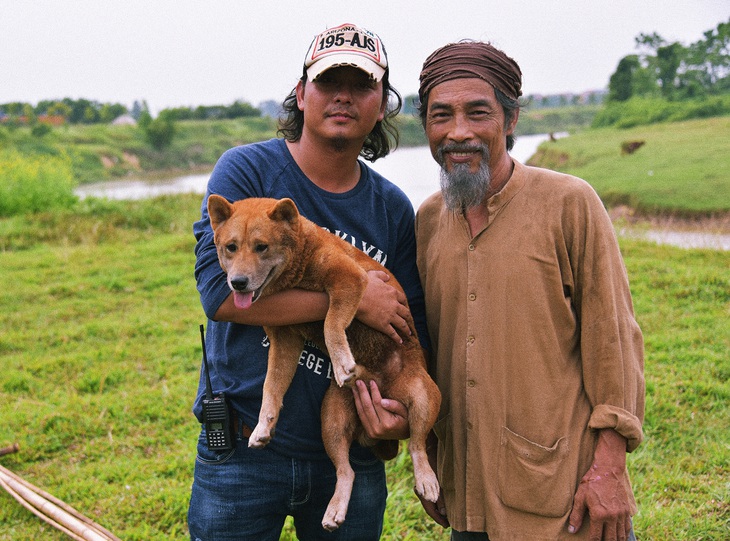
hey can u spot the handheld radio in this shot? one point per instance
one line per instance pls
(216, 417)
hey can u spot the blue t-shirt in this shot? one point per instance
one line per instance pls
(376, 216)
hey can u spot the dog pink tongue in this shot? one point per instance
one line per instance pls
(242, 300)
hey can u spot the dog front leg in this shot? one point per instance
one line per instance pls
(339, 419)
(284, 350)
(345, 294)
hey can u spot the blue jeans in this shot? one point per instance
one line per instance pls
(246, 494)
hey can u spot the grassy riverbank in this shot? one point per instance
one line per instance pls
(100, 354)
(682, 168)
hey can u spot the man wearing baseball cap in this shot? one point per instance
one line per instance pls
(341, 110)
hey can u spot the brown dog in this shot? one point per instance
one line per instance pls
(265, 246)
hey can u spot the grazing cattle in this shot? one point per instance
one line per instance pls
(629, 147)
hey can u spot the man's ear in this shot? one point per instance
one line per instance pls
(219, 210)
(299, 90)
(383, 108)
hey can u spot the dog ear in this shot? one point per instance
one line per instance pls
(219, 210)
(284, 210)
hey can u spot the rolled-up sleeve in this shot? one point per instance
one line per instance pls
(611, 342)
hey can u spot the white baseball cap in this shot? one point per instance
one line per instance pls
(346, 45)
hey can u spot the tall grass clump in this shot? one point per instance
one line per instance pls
(31, 184)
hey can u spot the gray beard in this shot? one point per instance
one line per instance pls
(462, 189)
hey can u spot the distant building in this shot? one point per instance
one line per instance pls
(124, 120)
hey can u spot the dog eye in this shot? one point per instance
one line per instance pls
(261, 248)
(231, 248)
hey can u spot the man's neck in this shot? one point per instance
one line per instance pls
(332, 167)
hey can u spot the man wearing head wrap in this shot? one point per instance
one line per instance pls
(536, 349)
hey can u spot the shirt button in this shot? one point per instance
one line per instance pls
(471, 383)
(472, 296)
(470, 340)
(471, 247)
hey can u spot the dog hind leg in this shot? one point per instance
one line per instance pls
(339, 418)
(422, 398)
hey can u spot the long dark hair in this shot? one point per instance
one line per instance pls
(379, 142)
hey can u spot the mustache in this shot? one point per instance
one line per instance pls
(461, 147)
(340, 112)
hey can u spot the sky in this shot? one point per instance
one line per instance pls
(174, 53)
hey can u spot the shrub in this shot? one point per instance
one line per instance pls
(160, 131)
(31, 183)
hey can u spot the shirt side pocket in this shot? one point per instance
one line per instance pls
(532, 478)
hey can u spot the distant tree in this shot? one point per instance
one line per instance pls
(144, 119)
(59, 109)
(621, 83)
(241, 109)
(29, 114)
(668, 59)
(14, 109)
(110, 111)
(160, 131)
(180, 113)
(674, 71)
(708, 61)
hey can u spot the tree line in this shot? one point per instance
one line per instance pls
(84, 111)
(673, 71)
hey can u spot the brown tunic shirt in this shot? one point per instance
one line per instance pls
(535, 348)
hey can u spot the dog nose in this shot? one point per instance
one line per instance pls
(240, 284)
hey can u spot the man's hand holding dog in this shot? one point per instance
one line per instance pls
(384, 307)
(382, 419)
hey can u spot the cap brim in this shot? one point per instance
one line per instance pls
(374, 70)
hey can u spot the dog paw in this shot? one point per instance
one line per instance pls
(333, 518)
(259, 437)
(427, 486)
(346, 380)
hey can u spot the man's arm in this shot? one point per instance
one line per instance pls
(602, 493)
(382, 307)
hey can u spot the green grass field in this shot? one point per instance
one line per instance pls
(100, 351)
(100, 355)
(683, 168)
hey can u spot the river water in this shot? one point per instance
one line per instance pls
(412, 168)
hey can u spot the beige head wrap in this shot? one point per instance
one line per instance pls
(471, 59)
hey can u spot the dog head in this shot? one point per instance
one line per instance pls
(255, 239)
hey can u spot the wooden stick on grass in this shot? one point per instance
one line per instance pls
(50, 509)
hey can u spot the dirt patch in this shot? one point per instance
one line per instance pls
(713, 223)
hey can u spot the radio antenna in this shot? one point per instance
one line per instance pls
(208, 386)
